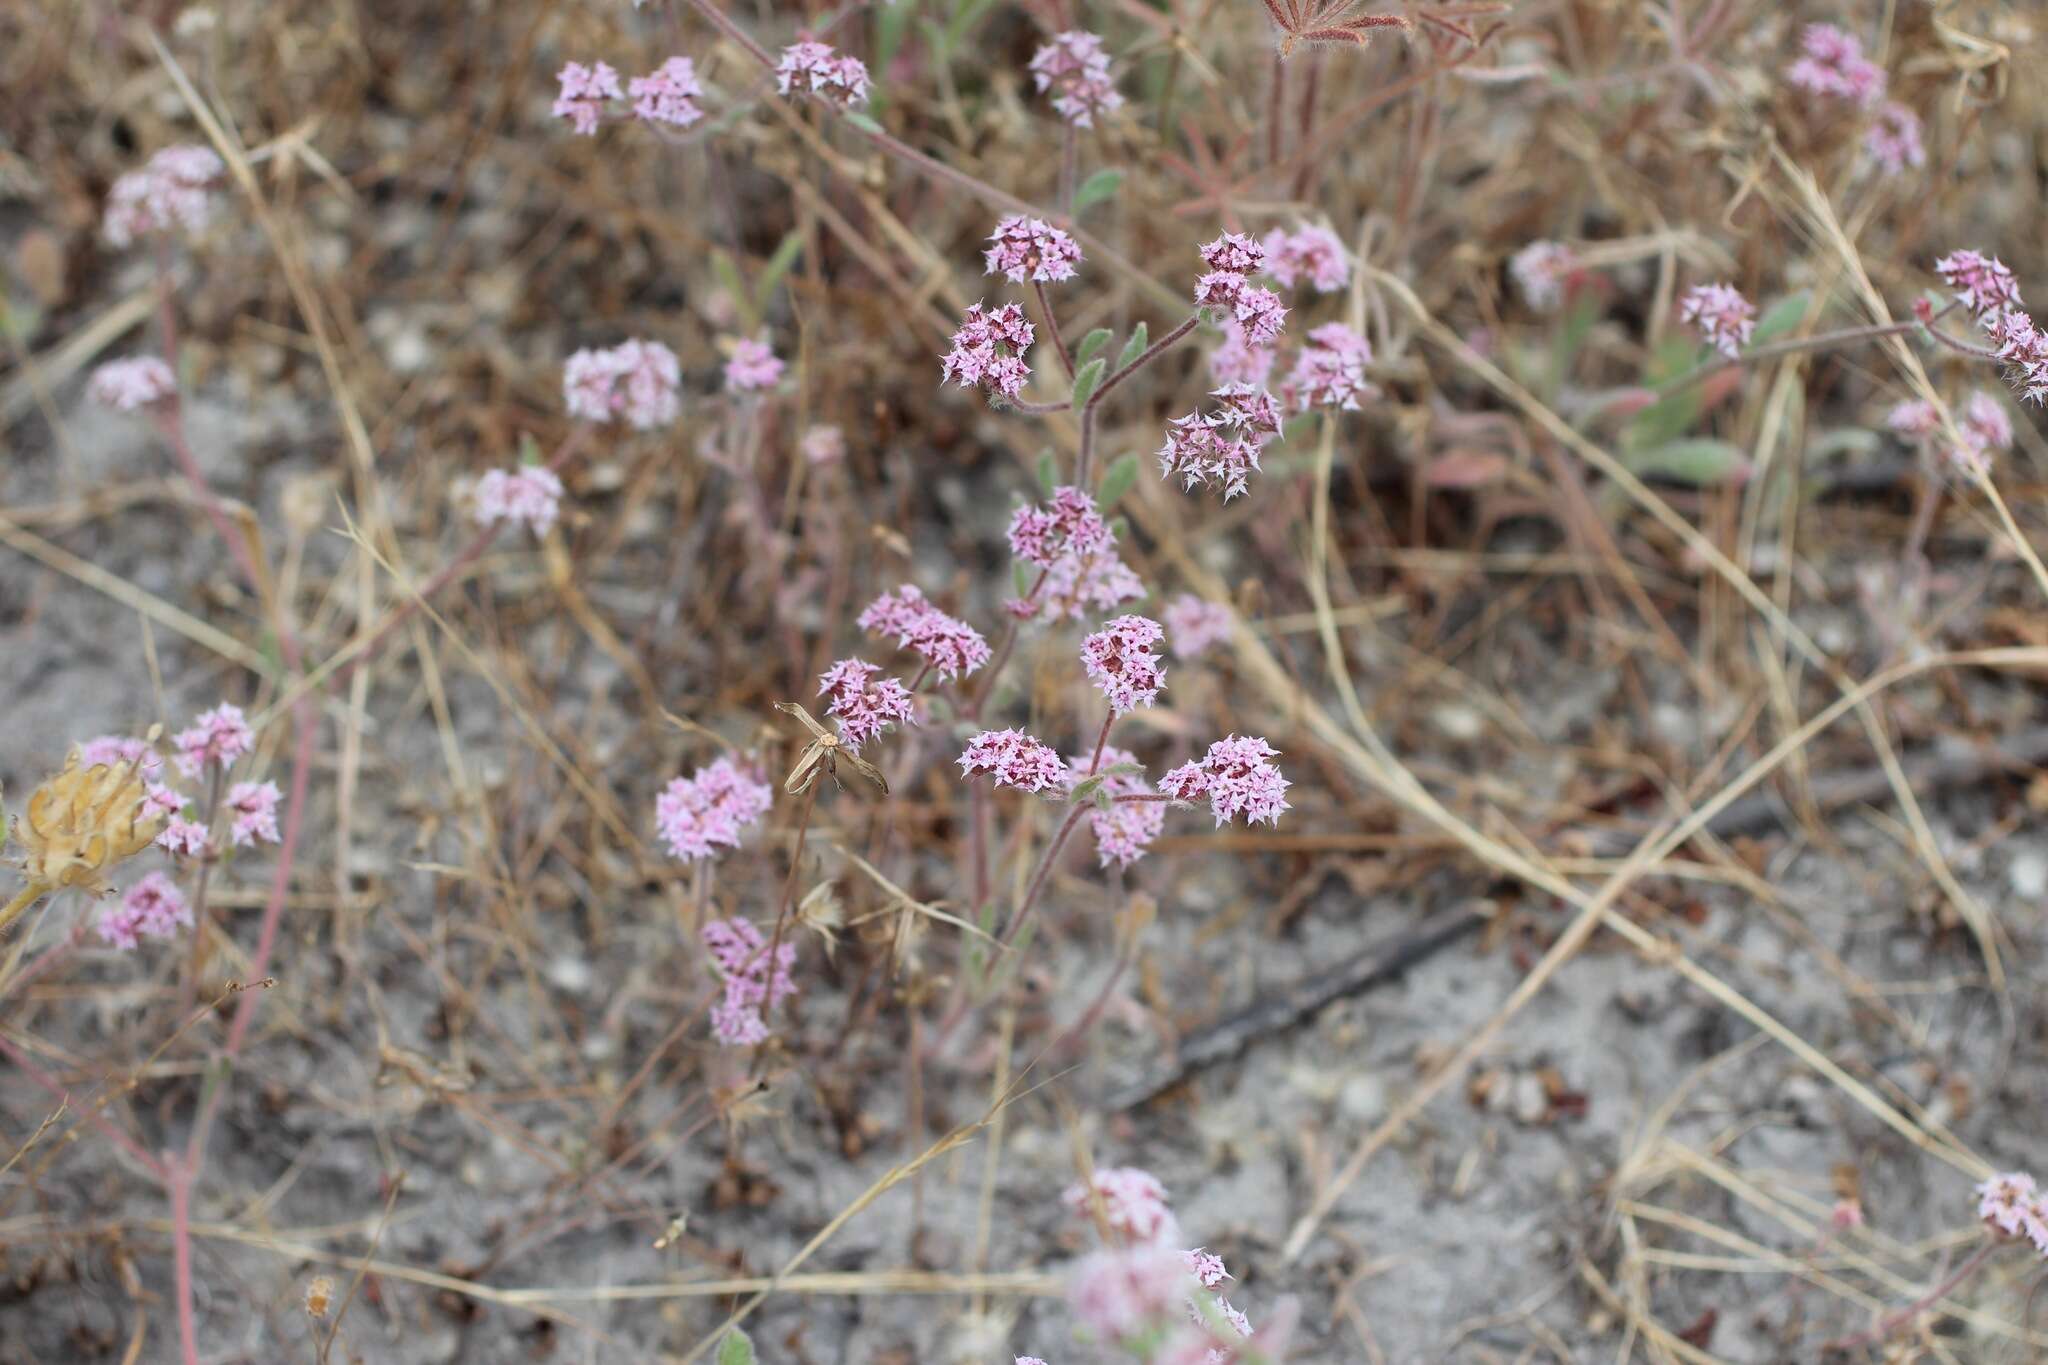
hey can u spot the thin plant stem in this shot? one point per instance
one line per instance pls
(181, 1240)
(796, 862)
(1892, 1321)
(1842, 336)
(52, 1086)
(1041, 876)
(1070, 167)
(1276, 109)
(1084, 464)
(1052, 327)
(2012, 529)
(1101, 740)
(1311, 90)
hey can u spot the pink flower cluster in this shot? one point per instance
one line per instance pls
(1221, 447)
(1023, 249)
(668, 95)
(183, 838)
(531, 494)
(252, 807)
(813, 68)
(1129, 1201)
(215, 738)
(1724, 318)
(1330, 371)
(1237, 360)
(153, 908)
(2014, 1209)
(1307, 253)
(1193, 625)
(1983, 424)
(1833, 65)
(752, 990)
(637, 380)
(1232, 259)
(113, 751)
(584, 90)
(1914, 419)
(1123, 829)
(710, 809)
(1014, 759)
(1986, 287)
(137, 382)
(1068, 539)
(988, 351)
(1893, 139)
(1120, 662)
(863, 705)
(949, 646)
(1074, 67)
(752, 366)
(170, 191)
(1542, 271)
(823, 444)
(1237, 777)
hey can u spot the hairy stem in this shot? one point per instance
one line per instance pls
(1052, 327)
(1041, 876)
(1819, 341)
(1085, 462)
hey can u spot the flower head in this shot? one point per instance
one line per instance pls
(823, 444)
(1128, 1292)
(113, 751)
(185, 839)
(950, 646)
(1833, 65)
(1014, 759)
(1893, 139)
(171, 190)
(1725, 319)
(2023, 348)
(710, 809)
(1130, 1201)
(1330, 371)
(1193, 625)
(813, 68)
(137, 382)
(752, 987)
(1069, 540)
(1123, 829)
(864, 705)
(531, 494)
(1981, 283)
(1074, 67)
(1066, 525)
(153, 906)
(1237, 776)
(752, 366)
(1307, 253)
(1023, 249)
(1221, 447)
(668, 95)
(1120, 662)
(1238, 360)
(1984, 420)
(254, 808)
(988, 351)
(1234, 254)
(217, 737)
(584, 90)
(1914, 419)
(636, 380)
(2007, 1202)
(1542, 270)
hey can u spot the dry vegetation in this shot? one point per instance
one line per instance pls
(1672, 820)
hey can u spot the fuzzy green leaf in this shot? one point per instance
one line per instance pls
(1133, 348)
(1086, 381)
(1698, 460)
(1090, 344)
(1116, 481)
(736, 1349)
(1781, 317)
(1097, 187)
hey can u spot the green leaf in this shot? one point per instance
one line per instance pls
(778, 265)
(529, 449)
(1085, 382)
(729, 279)
(1048, 471)
(1116, 481)
(1133, 348)
(1090, 344)
(1699, 460)
(1781, 317)
(736, 1349)
(1097, 188)
(891, 23)
(1020, 576)
(1842, 441)
(1086, 789)
(862, 122)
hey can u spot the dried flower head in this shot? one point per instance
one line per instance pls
(1120, 662)
(1326, 21)
(137, 382)
(1014, 759)
(1832, 65)
(1194, 625)
(1075, 69)
(1237, 776)
(253, 808)
(863, 704)
(83, 821)
(814, 68)
(988, 351)
(668, 95)
(753, 366)
(319, 1296)
(215, 738)
(172, 190)
(950, 647)
(584, 90)
(1542, 271)
(1308, 253)
(1893, 139)
(530, 494)
(752, 989)
(710, 809)
(1724, 318)
(1023, 249)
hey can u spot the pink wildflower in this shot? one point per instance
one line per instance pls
(813, 68)
(637, 380)
(1261, 314)
(950, 646)
(531, 494)
(159, 800)
(113, 751)
(668, 95)
(1310, 253)
(1131, 1202)
(1893, 139)
(1914, 419)
(584, 91)
(1078, 585)
(1221, 447)
(2024, 349)
(823, 444)
(216, 737)
(1123, 829)
(254, 806)
(863, 706)
(1194, 625)
(1834, 66)
(752, 366)
(169, 191)
(1234, 253)
(709, 810)
(1725, 319)
(1984, 421)
(751, 988)
(1207, 1267)
(1069, 540)
(1330, 371)
(1029, 1360)
(153, 906)
(988, 351)
(1120, 662)
(137, 382)
(1023, 249)
(1014, 759)
(1129, 1292)
(184, 839)
(1982, 284)
(1542, 270)
(1074, 67)
(1237, 360)
(1238, 778)
(1068, 524)
(2006, 1202)
(120, 927)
